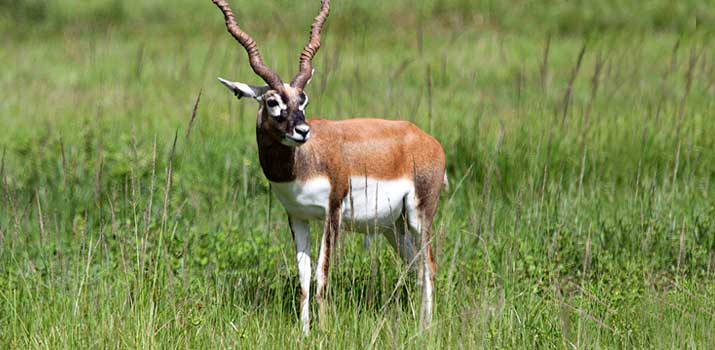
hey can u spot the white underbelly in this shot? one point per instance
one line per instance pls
(371, 203)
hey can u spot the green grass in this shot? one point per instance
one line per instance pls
(582, 219)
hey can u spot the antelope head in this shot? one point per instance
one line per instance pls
(281, 112)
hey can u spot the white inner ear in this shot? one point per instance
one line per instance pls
(244, 90)
(247, 90)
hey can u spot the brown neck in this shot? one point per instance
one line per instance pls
(278, 161)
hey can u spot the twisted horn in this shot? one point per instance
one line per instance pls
(306, 57)
(254, 57)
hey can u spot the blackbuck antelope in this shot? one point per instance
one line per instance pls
(374, 175)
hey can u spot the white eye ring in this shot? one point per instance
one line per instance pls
(275, 106)
(304, 104)
(274, 111)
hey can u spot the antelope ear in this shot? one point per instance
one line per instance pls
(245, 90)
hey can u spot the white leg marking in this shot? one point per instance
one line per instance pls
(427, 294)
(414, 229)
(301, 232)
(428, 277)
(320, 275)
(331, 226)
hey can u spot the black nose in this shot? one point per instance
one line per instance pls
(302, 129)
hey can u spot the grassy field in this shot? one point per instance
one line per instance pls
(580, 139)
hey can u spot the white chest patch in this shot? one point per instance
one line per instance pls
(307, 200)
(370, 202)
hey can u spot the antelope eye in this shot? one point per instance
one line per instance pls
(272, 103)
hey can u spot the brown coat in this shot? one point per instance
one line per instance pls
(374, 148)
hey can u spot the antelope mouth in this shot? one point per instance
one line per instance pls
(295, 140)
